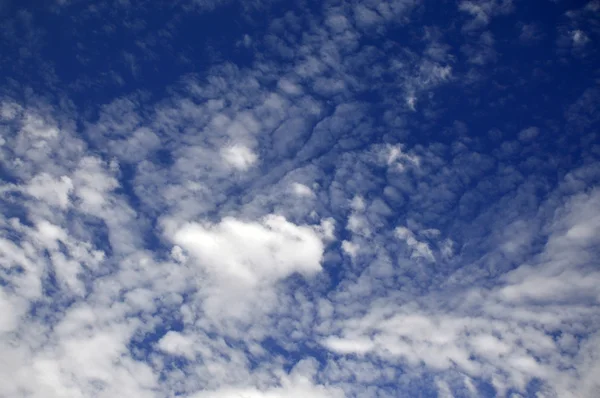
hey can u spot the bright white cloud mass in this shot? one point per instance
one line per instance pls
(269, 199)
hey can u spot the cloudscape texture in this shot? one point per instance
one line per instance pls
(290, 199)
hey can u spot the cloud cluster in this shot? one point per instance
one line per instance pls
(346, 213)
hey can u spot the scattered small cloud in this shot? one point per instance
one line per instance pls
(529, 133)
(239, 157)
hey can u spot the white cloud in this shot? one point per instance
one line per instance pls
(9, 110)
(579, 37)
(145, 254)
(349, 346)
(563, 269)
(292, 388)
(418, 249)
(529, 133)
(289, 87)
(52, 191)
(502, 334)
(350, 248)
(483, 10)
(175, 343)
(395, 156)
(239, 156)
(253, 252)
(358, 203)
(302, 190)
(9, 312)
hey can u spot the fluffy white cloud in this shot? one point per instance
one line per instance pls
(243, 260)
(302, 190)
(239, 156)
(52, 191)
(253, 252)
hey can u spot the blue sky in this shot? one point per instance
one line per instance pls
(268, 199)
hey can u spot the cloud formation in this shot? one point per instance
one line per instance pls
(342, 199)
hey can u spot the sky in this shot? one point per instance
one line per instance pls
(290, 199)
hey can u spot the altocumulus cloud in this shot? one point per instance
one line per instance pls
(323, 199)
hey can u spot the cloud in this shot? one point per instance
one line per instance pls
(253, 252)
(302, 190)
(577, 31)
(579, 37)
(243, 261)
(314, 201)
(419, 249)
(530, 33)
(511, 340)
(299, 383)
(529, 133)
(483, 11)
(240, 157)
(54, 192)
